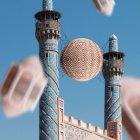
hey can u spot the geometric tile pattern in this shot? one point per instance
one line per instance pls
(48, 101)
(75, 133)
(81, 59)
(112, 101)
(72, 132)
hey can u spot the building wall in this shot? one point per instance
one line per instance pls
(78, 130)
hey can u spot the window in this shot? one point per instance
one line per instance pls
(46, 55)
(47, 25)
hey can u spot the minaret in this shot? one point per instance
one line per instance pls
(48, 35)
(113, 70)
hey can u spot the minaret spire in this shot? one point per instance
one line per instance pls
(113, 67)
(47, 5)
(113, 43)
(48, 35)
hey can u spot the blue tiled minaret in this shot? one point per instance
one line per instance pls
(113, 71)
(48, 35)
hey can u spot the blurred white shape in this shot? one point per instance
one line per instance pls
(23, 87)
(131, 106)
(105, 6)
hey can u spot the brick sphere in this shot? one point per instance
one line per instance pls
(81, 59)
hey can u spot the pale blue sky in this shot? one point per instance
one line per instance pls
(80, 19)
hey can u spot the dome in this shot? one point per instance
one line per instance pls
(81, 59)
(113, 37)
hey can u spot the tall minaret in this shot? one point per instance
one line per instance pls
(113, 70)
(48, 35)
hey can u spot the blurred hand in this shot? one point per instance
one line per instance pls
(131, 106)
(22, 87)
(106, 7)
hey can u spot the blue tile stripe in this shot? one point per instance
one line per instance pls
(48, 102)
(112, 101)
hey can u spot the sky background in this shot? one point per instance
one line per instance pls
(84, 101)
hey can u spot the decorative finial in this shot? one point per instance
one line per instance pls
(47, 5)
(113, 43)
